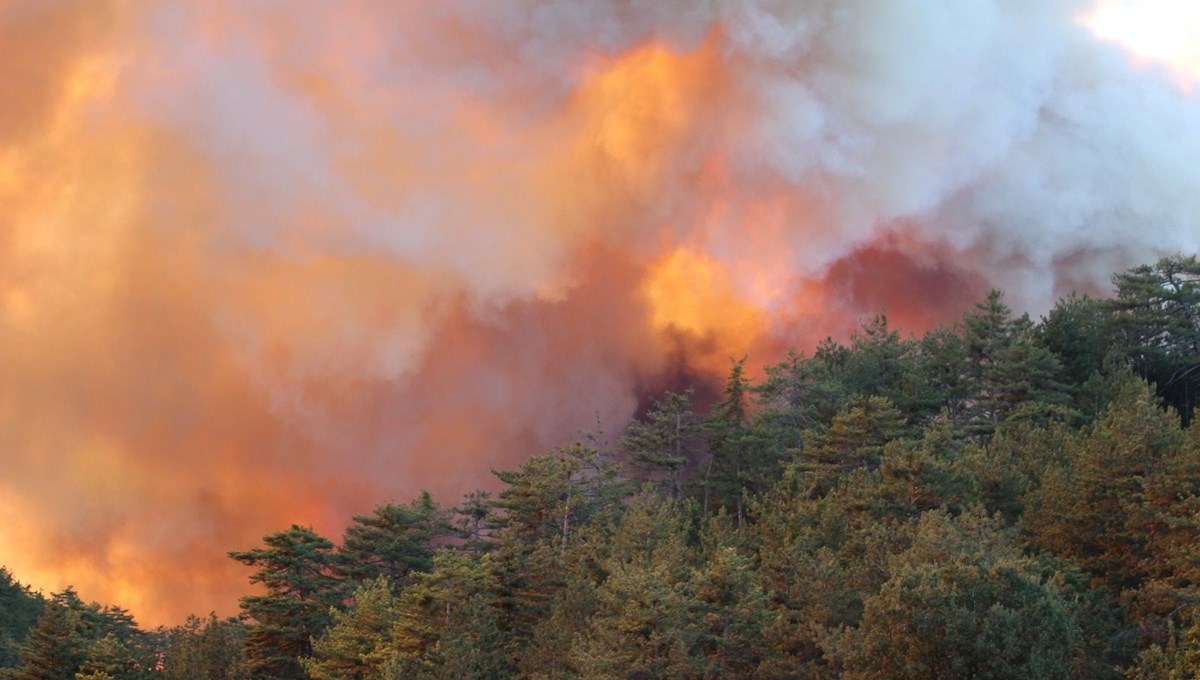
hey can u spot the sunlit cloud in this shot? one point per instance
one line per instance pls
(1163, 31)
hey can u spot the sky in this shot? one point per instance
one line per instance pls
(264, 263)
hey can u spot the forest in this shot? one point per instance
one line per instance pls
(997, 498)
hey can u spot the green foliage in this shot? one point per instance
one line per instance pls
(298, 568)
(798, 394)
(474, 520)
(108, 658)
(1178, 659)
(393, 541)
(941, 364)
(855, 437)
(551, 494)
(1156, 318)
(663, 441)
(55, 648)
(356, 645)
(448, 624)
(205, 649)
(741, 459)
(995, 499)
(961, 603)
(1078, 331)
(1090, 508)
(20, 608)
(643, 604)
(73, 637)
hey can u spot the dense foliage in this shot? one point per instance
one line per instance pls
(996, 499)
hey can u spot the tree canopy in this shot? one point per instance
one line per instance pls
(997, 498)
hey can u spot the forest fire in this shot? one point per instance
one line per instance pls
(692, 294)
(262, 264)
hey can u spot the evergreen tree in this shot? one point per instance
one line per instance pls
(1086, 508)
(880, 364)
(661, 443)
(473, 644)
(854, 439)
(729, 615)
(551, 495)
(20, 608)
(393, 541)
(548, 654)
(800, 394)
(447, 623)
(474, 519)
(1156, 316)
(298, 568)
(988, 333)
(205, 649)
(942, 369)
(741, 458)
(1166, 515)
(109, 659)
(541, 513)
(961, 603)
(819, 556)
(1078, 332)
(643, 605)
(1025, 375)
(993, 500)
(55, 648)
(1178, 659)
(355, 646)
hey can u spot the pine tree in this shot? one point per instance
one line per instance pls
(355, 646)
(854, 439)
(1156, 316)
(729, 615)
(661, 443)
(20, 608)
(942, 368)
(108, 659)
(1177, 659)
(1078, 332)
(639, 627)
(800, 394)
(55, 648)
(880, 364)
(298, 569)
(205, 649)
(448, 623)
(962, 603)
(1090, 508)
(393, 541)
(542, 511)
(1166, 515)
(473, 644)
(988, 333)
(474, 519)
(741, 458)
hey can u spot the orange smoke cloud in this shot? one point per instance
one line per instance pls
(264, 264)
(692, 295)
